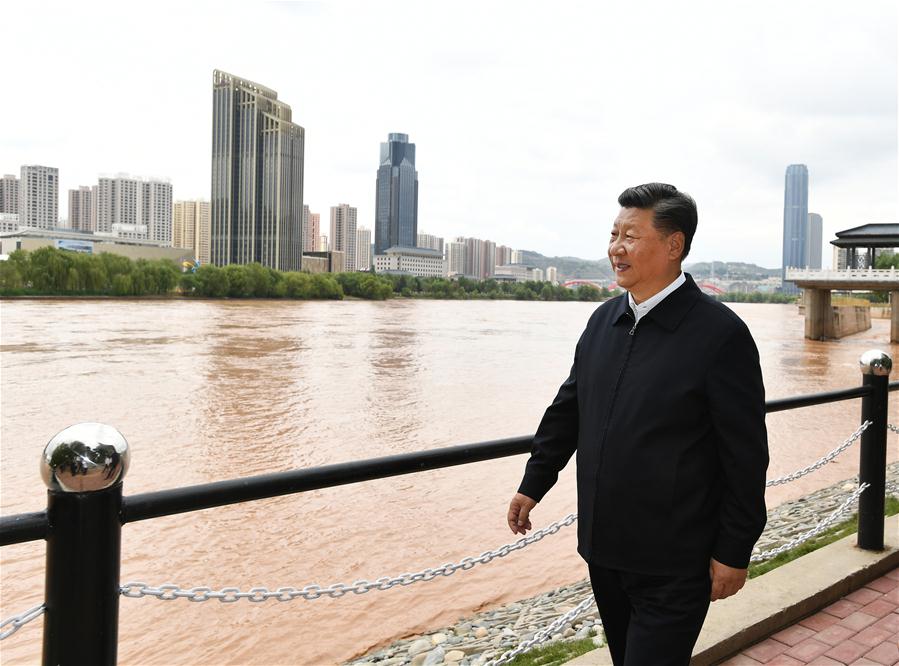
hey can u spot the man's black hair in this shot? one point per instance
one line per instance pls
(672, 210)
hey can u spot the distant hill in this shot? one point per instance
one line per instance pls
(599, 269)
(571, 267)
(732, 270)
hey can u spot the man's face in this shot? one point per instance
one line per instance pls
(643, 258)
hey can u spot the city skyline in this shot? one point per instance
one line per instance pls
(541, 172)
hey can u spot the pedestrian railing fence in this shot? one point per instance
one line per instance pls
(83, 467)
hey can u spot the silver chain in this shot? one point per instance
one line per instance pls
(16, 622)
(815, 531)
(821, 462)
(544, 634)
(169, 592)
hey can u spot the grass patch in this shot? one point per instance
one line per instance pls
(835, 533)
(554, 653)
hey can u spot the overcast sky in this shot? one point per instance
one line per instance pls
(529, 118)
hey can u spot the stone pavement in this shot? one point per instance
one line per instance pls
(862, 628)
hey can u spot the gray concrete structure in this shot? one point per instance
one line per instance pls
(822, 321)
(257, 176)
(815, 240)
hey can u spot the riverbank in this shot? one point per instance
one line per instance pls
(476, 639)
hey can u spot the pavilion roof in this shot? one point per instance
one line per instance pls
(869, 235)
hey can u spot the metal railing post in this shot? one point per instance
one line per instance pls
(83, 467)
(875, 366)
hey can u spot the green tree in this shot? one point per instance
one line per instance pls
(325, 286)
(238, 278)
(11, 280)
(887, 260)
(298, 285)
(121, 285)
(588, 293)
(211, 281)
(48, 270)
(260, 280)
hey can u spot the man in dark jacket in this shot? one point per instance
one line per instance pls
(665, 408)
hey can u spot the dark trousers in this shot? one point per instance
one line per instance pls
(650, 620)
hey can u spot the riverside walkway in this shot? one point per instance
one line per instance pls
(862, 628)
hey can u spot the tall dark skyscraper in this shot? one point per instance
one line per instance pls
(795, 234)
(396, 200)
(257, 177)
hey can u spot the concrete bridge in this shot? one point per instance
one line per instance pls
(821, 321)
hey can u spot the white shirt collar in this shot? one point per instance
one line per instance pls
(640, 309)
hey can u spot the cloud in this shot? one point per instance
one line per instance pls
(529, 118)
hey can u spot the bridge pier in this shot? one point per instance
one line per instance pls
(894, 316)
(818, 315)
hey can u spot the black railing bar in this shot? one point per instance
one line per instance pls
(219, 493)
(23, 527)
(816, 399)
(893, 386)
(33, 526)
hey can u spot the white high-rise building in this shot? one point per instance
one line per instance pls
(135, 208)
(157, 211)
(431, 242)
(455, 258)
(9, 194)
(516, 257)
(39, 197)
(363, 249)
(343, 233)
(552, 275)
(191, 228)
(82, 209)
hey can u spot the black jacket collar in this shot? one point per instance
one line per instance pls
(669, 312)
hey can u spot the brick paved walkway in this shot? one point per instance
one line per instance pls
(862, 628)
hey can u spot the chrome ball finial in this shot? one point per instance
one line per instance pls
(84, 458)
(876, 362)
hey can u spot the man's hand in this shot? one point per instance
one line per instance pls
(726, 581)
(519, 510)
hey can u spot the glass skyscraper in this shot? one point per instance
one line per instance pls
(257, 177)
(795, 233)
(396, 200)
